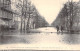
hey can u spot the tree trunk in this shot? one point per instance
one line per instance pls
(25, 23)
(21, 23)
(24, 26)
(28, 22)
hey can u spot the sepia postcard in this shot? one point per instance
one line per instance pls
(39, 25)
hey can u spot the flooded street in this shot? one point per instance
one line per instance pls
(46, 35)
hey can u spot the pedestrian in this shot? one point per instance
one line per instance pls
(57, 27)
(62, 29)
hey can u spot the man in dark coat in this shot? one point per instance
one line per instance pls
(62, 29)
(57, 27)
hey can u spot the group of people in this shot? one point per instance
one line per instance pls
(59, 29)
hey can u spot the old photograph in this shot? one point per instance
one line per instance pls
(40, 24)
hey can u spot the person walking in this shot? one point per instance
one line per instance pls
(57, 27)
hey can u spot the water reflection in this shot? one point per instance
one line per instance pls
(13, 39)
(71, 38)
(40, 37)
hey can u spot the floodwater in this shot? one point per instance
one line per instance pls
(46, 35)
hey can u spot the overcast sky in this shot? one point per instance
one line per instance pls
(49, 8)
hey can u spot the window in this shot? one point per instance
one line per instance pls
(1, 1)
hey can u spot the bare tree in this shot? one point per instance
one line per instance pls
(22, 6)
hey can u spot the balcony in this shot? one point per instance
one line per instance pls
(7, 14)
(6, 19)
(7, 9)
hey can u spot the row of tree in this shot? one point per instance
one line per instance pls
(69, 16)
(28, 12)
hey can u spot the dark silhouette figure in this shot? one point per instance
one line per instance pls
(62, 29)
(57, 27)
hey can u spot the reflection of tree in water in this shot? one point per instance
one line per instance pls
(13, 39)
(71, 38)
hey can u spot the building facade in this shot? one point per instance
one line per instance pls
(6, 14)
